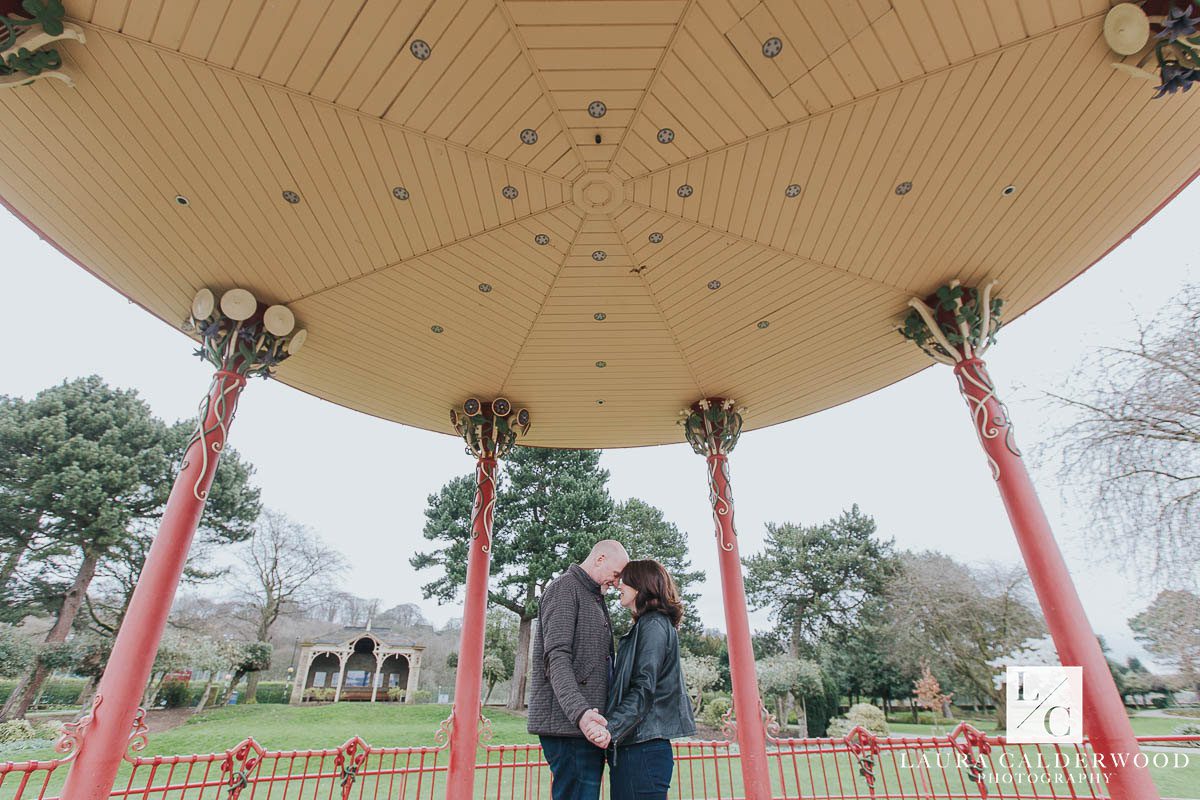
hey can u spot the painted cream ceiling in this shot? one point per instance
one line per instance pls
(230, 103)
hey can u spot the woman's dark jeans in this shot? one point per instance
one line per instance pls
(576, 767)
(642, 771)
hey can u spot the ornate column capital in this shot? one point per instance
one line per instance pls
(240, 335)
(712, 425)
(956, 323)
(489, 428)
(22, 59)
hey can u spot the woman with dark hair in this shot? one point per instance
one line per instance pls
(648, 703)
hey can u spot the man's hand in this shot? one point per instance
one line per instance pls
(595, 727)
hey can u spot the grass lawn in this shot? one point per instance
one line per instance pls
(279, 727)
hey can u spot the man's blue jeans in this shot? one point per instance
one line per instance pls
(576, 767)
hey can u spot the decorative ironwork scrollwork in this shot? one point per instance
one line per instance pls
(242, 336)
(729, 725)
(441, 737)
(864, 746)
(712, 426)
(974, 745)
(22, 59)
(70, 737)
(720, 496)
(348, 761)
(490, 429)
(988, 424)
(961, 323)
(239, 764)
(485, 729)
(139, 734)
(223, 392)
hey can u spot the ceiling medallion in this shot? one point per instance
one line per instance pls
(597, 109)
(599, 255)
(400, 193)
(685, 190)
(714, 285)
(666, 136)
(793, 190)
(600, 316)
(656, 238)
(541, 239)
(291, 197)
(436, 328)
(509, 192)
(485, 287)
(601, 364)
(772, 47)
(529, 136)
(904, 188)
(421, 49)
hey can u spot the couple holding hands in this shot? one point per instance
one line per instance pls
(639, 684)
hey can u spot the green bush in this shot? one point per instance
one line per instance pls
(422, 696)
(55, 692)
(273, 692)
(860, 714)
(712, 711)
(1188, 729)
(395, 694)
(174, 694)
(1160, 702)
(20, 730)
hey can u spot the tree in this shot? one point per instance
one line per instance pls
(552, 506)
(701, 674)
(816, 578)
(965, 622)
(863, 659)
(244, 658)
(500, 647)
(16, 652)
(928, 692)
(646, 533)
(278, 564)
(1170, 630)
(1132, 446)
(90, 461)
(781, 678)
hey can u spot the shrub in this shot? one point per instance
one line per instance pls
(422, 696)
(174, 694)
(1160, 702)
(273, 692)
(396, 694)
(21, 730)
(1188, 729)
(55, 692)
(318, 695)
(862, 715)
(713, 711)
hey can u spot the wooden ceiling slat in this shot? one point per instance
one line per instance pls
(172, 23)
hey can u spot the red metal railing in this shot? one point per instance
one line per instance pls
(964, 764)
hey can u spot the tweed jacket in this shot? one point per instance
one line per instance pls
(572, 655)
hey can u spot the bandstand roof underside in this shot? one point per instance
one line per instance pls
(404, 168)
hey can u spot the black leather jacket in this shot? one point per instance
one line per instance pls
(648, 698)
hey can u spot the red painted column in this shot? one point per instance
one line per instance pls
(747, 704)
(468, 680)
(103, 736)
(1105, 721)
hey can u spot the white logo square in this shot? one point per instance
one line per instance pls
(1045, 705)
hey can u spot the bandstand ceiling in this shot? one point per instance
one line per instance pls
(405, 167)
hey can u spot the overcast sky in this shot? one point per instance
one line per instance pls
(361, 483)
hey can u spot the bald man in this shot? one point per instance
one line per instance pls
(572, 662)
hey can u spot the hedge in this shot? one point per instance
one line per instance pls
(65, 691)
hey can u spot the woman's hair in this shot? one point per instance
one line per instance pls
(656, 591)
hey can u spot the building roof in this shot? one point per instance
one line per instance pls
(600, 210)
(350, 633)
